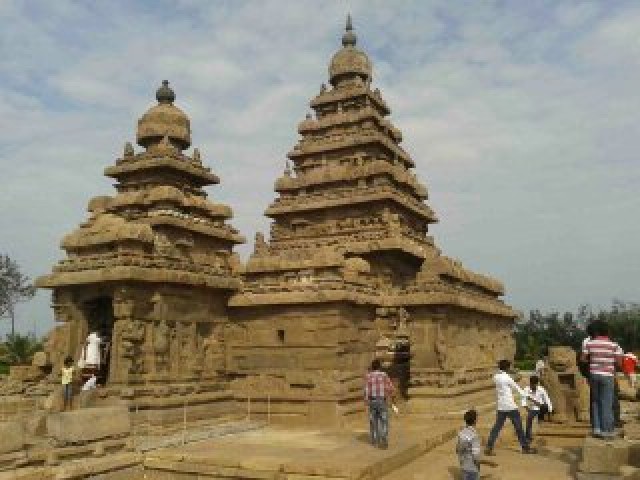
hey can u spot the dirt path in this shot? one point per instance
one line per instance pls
(510, 464)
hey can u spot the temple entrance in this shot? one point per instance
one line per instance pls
(399, 369)
(99, 315)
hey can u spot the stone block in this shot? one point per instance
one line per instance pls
(599, 456)
(24, 373)
(37, 423)
(55, 401)
(632, 431)
(87, 398)
(89, 424)
(626, 391)
(11, 437)
(39, 359)
(628, 472)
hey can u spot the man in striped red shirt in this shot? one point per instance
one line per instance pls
(377, 390)
(603, 355)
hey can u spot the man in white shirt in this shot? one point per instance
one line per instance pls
(507, 408)
(536, 401)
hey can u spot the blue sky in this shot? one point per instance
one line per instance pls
(522, 118)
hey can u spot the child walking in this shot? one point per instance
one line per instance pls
(537, 403)
(468, 447)
(67, 382)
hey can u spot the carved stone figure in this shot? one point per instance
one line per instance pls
(567, 388)
(441, 347)
(161, 346)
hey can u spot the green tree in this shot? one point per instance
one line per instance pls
(19, 349)
(535, 334)
(14, 288)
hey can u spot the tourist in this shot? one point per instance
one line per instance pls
(507, 408)
(67, 382)
(537, 403)
(468, 447)
(603, 354)
(91, 383)
(377, 391)
(90, 357)
(617, 419)
(629, 363)
(583, 363)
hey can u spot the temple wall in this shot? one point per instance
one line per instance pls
(307, 337)
(158, 332)
(300, 363)
(454, 338)
(454, 355)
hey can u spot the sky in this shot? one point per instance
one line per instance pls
(522, 119)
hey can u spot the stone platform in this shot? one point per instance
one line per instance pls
(274, 452)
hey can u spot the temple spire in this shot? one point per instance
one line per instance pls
(349, 38)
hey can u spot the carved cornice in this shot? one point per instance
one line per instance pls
(283, 206)
(307, 147)
(122, 273)
(144, 162)
(344, 93)
(350, 173)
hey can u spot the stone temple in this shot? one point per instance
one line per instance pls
(152, 269)
(349, 272)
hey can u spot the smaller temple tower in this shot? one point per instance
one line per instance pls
(152, 268)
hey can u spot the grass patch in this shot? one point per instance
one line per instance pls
(526, 365)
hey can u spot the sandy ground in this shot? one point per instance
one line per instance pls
(510, 464)
(507, 464)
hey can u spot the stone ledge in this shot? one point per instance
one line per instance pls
(89, 424)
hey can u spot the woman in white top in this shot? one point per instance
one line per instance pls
(91, 352)
(535, 400)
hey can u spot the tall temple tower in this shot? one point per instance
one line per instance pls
(152, 268)
(350, 272)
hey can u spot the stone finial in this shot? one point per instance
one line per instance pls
(165, 94)
(349, 38)
(128, 150)
(323, 88)
(349, 62)
(196, 155)
(287, 169)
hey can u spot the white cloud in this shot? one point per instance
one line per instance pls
(521, 118)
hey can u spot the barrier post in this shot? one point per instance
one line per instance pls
(184, 422)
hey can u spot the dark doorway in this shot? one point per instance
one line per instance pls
(99, 314)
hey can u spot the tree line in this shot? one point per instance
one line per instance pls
(537, 332)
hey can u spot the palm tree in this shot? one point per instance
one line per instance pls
(19, 349)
